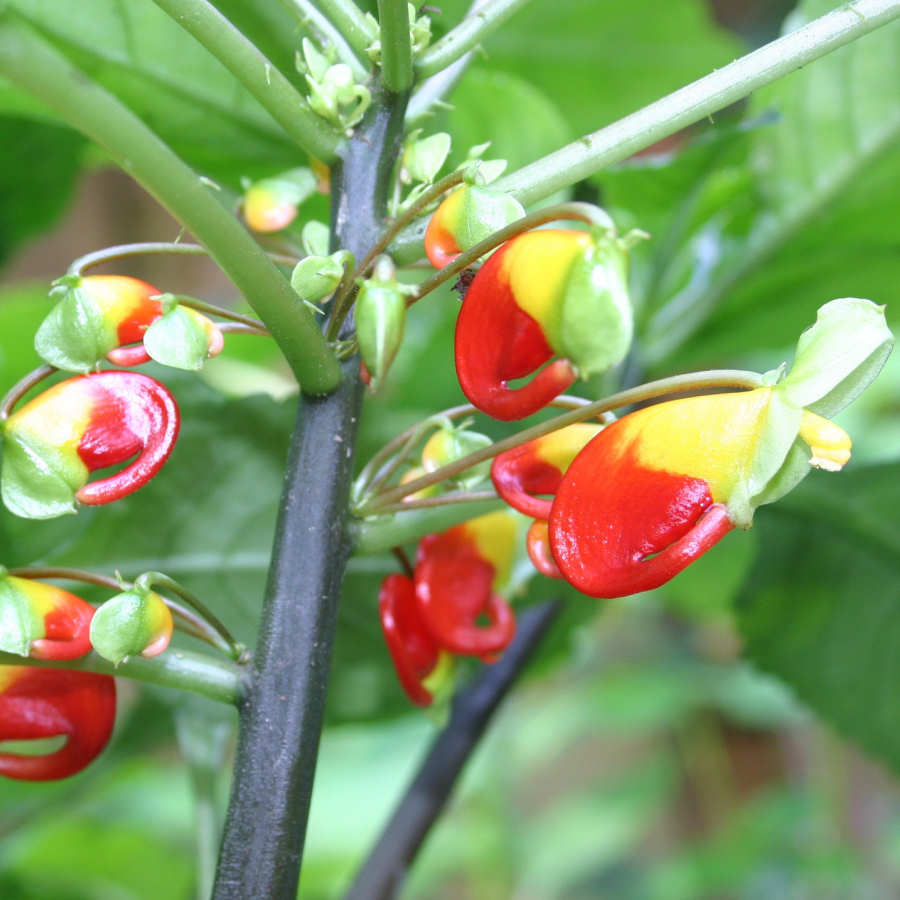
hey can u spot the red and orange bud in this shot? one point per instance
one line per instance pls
(271, 204)
(43, 703)
(538, 467)
(465, 218)
(42, 621)
(53, 443)
(658, 488)
(96, 315)
(457, 577)
(413, 650)
(544, 293)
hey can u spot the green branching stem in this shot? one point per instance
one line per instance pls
(312, 18)
(693, 381)
(579, 212)
(37, 67)
(695, 101)
(351, 22)
(396, 51)
(473, 28)
(217, 679)
(261, 78)
(125, 251)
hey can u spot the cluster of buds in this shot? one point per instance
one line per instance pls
(333, 93)
(451, 604)
(45, 622)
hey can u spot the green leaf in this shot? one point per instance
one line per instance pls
(135, 50)
(820, 225)
(39, 163)
(819, 608)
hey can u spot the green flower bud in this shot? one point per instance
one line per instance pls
(380, 320)
(316, 277)
(449, 444)
(135, 621)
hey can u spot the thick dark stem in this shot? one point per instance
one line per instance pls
(382, 874)
(281, 717)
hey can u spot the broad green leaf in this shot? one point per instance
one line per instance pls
(821, 225)
(820, 606)
(135, 50)
(39, 163)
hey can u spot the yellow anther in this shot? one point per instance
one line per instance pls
(829, 443)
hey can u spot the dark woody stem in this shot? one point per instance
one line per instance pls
(474, 706)
(124, 251)
(694, 381)
(281, 717)
(579, 212)
(22, 387)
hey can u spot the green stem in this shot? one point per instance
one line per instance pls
(581, 212)
(37, 67)
(351, 22)
(450, 499)
(385, 532)
(124, 251)
(211, 309)
(22, 387)
(692, 381)
(216, 679)
(396, 52)
(697, 100)
(311, 17)
(273, 91)
(472, 29)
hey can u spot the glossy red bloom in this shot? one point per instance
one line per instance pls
(456, 576)
(78, 426)
(412, 648)
(43, 621)
(544, 293)
(658, 488)
(42, 703)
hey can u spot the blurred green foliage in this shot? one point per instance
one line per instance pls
(643, 759)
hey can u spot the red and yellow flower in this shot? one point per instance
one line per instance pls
(42, 621)
(43, 703)
(53, 443)
(544, 293)
(438, 612)
(109, 317)
(655, 490)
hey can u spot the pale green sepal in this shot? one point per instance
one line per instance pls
(34, 483)
(482, 213)
(316, 277)
(178, 339)
(452, 443)
(380, 321)
(595, 319)
(422, 159)
(119, 628)
(293, 186)
(793, 470)
(74, 336)
(19, 625)
(777, 435)
(839, 356)
(314, 238)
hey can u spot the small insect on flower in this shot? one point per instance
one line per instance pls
(53, 443)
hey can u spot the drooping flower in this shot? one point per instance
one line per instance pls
(53, 443)
(124, 320)
(457, 577)
(42, 703)
(544, 293)
(41, 620)
(467, 216)
(655, 490)
(414, 651)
